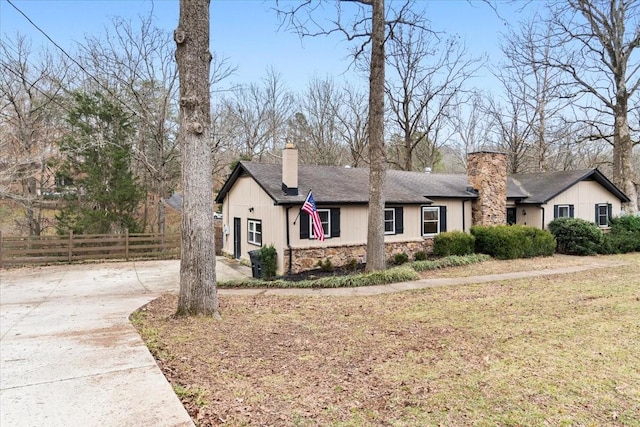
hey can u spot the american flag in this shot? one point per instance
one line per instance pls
(309, 207)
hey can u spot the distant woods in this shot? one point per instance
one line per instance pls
(566, 97)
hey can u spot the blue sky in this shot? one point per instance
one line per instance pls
(246, 32)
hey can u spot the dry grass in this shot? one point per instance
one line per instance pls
(558, 350)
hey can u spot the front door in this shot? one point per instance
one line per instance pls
(237, 251)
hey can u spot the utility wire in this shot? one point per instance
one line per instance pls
(71, 58)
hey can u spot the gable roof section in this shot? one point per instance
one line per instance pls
(543, 187)
(340, 185)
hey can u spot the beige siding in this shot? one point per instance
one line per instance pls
(530, 215)
(353, 224)
(247, 194)
(583, 196)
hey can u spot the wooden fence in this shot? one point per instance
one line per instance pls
(18, 251)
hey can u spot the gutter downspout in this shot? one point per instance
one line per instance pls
(542, 207)
(289, 242)
(464, 227)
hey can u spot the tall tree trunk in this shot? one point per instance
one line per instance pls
(377, 172)
(198, 294)
(623, 157)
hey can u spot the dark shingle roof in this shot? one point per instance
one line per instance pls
(543, 187)
(341, 185)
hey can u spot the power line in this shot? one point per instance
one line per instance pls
(71, 58)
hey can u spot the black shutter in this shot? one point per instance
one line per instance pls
(335, 222)
(399, 221)
(443, 219)
(571, 210)
(304, 225)
(555, 211)
(609, 213)
(597, 221)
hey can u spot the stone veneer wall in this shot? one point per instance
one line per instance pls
(307, 258)
(487, 173)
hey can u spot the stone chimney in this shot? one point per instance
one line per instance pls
(487, 173)
(290, 169)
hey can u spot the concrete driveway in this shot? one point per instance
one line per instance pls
(70, 357)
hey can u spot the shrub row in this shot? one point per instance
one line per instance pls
(513, 241)
(576, 236)
(393, 275)
(450, 261)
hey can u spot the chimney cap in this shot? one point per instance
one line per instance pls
(289, 145)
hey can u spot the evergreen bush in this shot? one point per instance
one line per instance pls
(513, 241)
(576, 236)
(268, 256)
(453, 243)
(623, 237)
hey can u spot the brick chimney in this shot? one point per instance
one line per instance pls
(487, 173)
(290, 169)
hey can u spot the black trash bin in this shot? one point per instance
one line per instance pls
(256, 264)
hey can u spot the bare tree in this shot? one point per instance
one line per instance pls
(369, 24)
(511, 133)
(536, 87)
(472, 126)
(319, 105)
(32, 115)
(597, 50)
(354, 125)
(426, 81)
(198, 294)
(259, 114)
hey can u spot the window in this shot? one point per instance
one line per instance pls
(330, 219)
(430, 220)
(389, 221)
(563, 211)
(325, 220)
(254, 233)
(603, 214)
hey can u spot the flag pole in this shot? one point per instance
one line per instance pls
(300, 210)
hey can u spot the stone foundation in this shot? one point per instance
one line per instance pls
(307, 258)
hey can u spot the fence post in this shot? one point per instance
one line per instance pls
(70, 254)
(126, 245)
(1, 249)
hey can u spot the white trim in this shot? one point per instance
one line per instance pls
(435, 209)
(393, 220)
(327, 234)
(568, 208)
(253, 235)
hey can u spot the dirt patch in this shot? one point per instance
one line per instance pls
(554, 350)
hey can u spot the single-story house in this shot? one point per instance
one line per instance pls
(261, 206)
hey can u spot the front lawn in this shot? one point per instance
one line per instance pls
(556, 350)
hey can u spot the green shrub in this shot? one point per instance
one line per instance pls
(420, 256)
(575, 236)
(623, 237)
(400, 258)
(383, 277)
(325, 265)
(453, 243)
(513, 241)
(351, 265)
(450, 261)
(269, 259)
